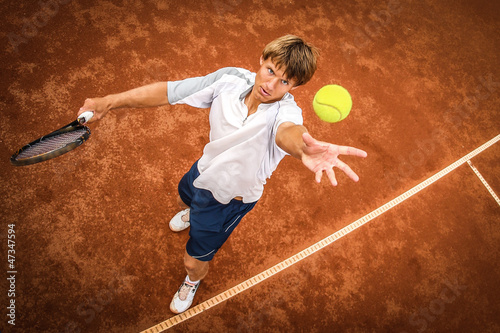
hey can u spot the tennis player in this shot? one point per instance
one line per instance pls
(254, 124)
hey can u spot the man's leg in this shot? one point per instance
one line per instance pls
(195, 268)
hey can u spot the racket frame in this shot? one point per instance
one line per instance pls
(75, 125)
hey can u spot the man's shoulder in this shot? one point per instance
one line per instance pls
(288, 109)
(235, 73)
(288, 101)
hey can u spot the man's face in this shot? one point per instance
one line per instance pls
(270, 83)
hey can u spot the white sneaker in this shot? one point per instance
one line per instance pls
(183, 298)
(177, 224)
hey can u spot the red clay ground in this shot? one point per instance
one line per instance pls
(93, 248)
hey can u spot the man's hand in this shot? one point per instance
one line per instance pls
(98, 105)
(321, 156)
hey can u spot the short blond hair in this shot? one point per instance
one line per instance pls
(292, 53)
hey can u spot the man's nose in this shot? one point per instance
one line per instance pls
(273, 83)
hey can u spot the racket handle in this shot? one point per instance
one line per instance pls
(85, 117)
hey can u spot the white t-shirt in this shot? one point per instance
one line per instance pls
(242, 152)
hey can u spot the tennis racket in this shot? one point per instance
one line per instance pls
(56, 143)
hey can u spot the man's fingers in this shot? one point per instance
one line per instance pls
(331, 175)
(312, 142)
(318, 176)
(323, 156)
(313, 146)
(342, 150)
(346, 150)
(347, 170)
(90, 105)
(85, 107)
(308, 139)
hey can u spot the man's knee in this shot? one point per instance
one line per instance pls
(192, 264)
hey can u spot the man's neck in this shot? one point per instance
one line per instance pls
(252, 103)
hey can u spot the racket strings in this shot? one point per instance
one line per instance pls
(46, 145)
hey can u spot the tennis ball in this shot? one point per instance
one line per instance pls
(332, 103)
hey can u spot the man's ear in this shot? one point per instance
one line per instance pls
(261, 60)
(294, 87)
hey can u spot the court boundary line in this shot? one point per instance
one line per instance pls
(485, 183)
(224, 296)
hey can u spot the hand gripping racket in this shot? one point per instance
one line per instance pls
(56, 143)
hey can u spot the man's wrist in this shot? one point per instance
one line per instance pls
(110, 102)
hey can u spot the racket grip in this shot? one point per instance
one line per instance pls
(85, 117)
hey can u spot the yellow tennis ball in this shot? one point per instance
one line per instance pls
(332, 103)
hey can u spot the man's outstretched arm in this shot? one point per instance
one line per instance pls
(150, 95)
(316, 155)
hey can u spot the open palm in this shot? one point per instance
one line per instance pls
(321, 156)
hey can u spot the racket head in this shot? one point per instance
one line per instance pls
(52, 145)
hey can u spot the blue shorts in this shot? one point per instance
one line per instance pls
(211, 221)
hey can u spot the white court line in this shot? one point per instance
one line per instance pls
(224, 296)
(485, 183)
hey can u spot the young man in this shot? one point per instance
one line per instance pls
(254, 124)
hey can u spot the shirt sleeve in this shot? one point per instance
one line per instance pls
(288, 111)
(197, 91)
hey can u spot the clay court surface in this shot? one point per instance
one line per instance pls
(93, 251)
